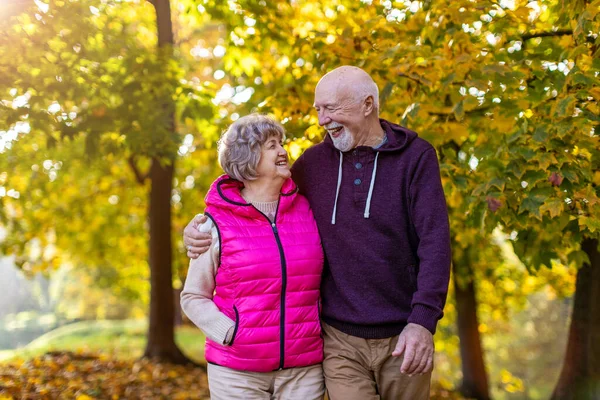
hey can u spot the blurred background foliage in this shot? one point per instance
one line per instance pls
(507, 91)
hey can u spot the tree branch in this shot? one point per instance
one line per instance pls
(346, 57)
(138, 175)
(451, 116)
(403, 75)
(560, 32)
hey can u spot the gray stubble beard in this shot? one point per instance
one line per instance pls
(344, 142)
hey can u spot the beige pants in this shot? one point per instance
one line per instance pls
(288, 384)
(364, 369)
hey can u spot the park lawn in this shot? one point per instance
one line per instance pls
(121, 339)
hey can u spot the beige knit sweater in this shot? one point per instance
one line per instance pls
(197, 295)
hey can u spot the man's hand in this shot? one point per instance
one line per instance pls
(196, 242)
(416, 343)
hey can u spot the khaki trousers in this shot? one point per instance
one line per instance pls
(304, 383)
(364, 369)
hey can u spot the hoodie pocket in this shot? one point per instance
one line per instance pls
(237, 325)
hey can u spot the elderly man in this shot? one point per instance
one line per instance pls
(376, 194)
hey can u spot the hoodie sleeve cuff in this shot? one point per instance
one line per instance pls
(425, 316)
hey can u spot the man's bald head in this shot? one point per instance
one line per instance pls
(351, 81)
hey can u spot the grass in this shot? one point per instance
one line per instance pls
(124, 339)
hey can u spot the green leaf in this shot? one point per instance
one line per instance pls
(448, 80)
(516, 168)
(569, 174)
(499, 69)
(540, 134)
(554, 207)
(579, 258)
(527, 153)
(577, 51)
(499, 183)
(480, 189)
(544, 257)
(591, 224)
(545, 160)
(581, 79)
(534, 176)
(565, 106)
(532, 206)
(459, 111)
(385, 93)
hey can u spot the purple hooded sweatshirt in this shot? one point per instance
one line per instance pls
(383, 222)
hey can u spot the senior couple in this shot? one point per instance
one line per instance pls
(331, 274)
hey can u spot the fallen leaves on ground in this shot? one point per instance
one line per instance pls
(66, 375)
(86, 376)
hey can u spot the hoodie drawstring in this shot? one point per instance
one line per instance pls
(339, 183)
(368, 206)
(337, 191)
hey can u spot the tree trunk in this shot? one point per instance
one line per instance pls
(161, 331)
(475, 380)
(580, 376)
(178, 317)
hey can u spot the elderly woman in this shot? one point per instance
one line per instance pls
(255, 293)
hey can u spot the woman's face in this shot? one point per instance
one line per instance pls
(273, 161)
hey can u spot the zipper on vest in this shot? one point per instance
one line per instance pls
(283, 291)
(283, 286)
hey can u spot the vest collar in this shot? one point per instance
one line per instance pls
(225, 192)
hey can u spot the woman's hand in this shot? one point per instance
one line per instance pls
(196, 242)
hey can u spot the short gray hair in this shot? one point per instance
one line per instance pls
(240, 145)
(365, 89)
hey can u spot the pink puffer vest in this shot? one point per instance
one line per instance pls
(268, 280)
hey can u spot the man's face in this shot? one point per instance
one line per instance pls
(340, 113)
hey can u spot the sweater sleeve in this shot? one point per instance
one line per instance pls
(197, 295)
(430, 219)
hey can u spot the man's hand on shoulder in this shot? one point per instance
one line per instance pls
(416, 344)
(196, 242)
